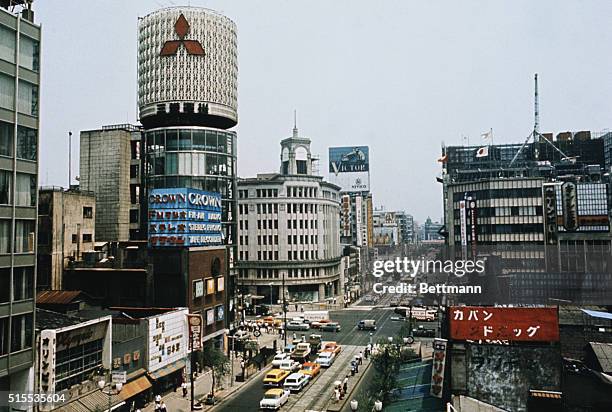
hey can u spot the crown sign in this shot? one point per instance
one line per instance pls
(181, 28)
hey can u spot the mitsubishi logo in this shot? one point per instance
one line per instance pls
(181, 27)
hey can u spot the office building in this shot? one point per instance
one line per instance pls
(66, 229)
(288, 233)
(110, 168)
(20, 41)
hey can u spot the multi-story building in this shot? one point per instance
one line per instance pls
(431, 230)
(187, 99)
(66, 229)
(19, 123)
(288, 233)
(110, 168)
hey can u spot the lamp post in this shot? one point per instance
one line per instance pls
(118, 386)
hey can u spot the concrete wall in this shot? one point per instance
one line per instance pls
(467, 404)
(503, 375)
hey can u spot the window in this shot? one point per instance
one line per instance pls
(5, 236)
(7, 44)
(4, 328)
(28, 53)
(26, 143)
(24, 236)
(7, 91)
(74, 238)
(25, 190)
(87, 238)
(6, 139)
(5, 285)
(88, 212)
(27, 99)
(23, 283)
(5, 187)
(21, 332)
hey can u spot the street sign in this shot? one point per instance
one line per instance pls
(119, 377)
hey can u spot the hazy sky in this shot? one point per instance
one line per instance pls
(400, 76)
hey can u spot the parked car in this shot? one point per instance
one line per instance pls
(331, 327)
(274, 399)
(311, 369)
(289, 349)
(424, 333)
(318, 323)
(289, 365)
(275, 377)
(332, 346)
(279, 357)
(301, 352)
(297, 325)
(326, 358)
(295, 382)
(367, 324)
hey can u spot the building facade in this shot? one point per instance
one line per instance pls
(110, 168)
(20, 41)
(288, 232)
(66, 229)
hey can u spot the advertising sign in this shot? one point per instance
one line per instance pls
(119, 376)
(463, 222)
(570, 206)
(358, 220)
(437, 372)
(512, 324)
(210, 286)
(210, 316)
(182, 217)
(550, 213)
(198, 289)
(195, 331)
(167, 340)
(349, 168)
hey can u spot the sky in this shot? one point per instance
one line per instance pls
(402, 77)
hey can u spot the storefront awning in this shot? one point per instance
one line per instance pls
(134, 388)
(167, 370)
(94, 401)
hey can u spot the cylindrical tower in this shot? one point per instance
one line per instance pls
(187, 69)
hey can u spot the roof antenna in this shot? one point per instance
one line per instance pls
(536, 123)
(295, 130)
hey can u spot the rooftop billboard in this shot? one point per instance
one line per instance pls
(349, 168)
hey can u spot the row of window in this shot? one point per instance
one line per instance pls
(23, 284)
(25, 188)
(300, 191)
(265, 193)
(23, 241)
(21, 327)
(512, 193)
(190, 164)
(27, 95)
(29, 49)
(190, 139)
(267, 240)
(75, 365)
(273, 255)
(26, 141)
(303, 239)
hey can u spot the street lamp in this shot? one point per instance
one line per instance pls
(109, 392)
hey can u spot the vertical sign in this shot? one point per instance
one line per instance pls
(463, 222)
(473, 221)
(195, 331)
(437, 372)
(358, 223)
(570, 206)
(550, 213)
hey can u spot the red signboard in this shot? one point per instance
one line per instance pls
(511, 324)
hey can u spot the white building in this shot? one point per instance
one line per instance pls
(288, 230)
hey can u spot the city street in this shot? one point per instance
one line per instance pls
(247, 399)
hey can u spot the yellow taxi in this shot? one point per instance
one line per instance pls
(275, 377)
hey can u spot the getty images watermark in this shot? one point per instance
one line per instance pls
(412, 268)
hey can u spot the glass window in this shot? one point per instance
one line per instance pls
(199, 140)
(5, 187)
(222, 142)
(184, 139)
(5, 236)
(24, 236)
(159, 140)
(7, 44)
(28, 98)
(25, 190)
(172, 140)
(26, 143)
(211, 164)
(21, 332)
(6, 139)
(4, 328)
(198, 164)
(28, 53)
(5, 285)
(23, 283)
(159, 165)
(7, 91)
(211, 141)
(171, 163)
(184, 164)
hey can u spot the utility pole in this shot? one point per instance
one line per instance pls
(192, 372)
(69, 159)
(284, 309)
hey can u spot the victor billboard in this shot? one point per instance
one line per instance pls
(349, 168)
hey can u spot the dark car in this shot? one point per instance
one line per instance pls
(331, 327)
(424, 333)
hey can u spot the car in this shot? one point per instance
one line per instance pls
(289, 349)
(297, 325)
(279, 357)
(367, 324)
(274, 399)
(331, 327)
(311, 369)
(275, 377)
(326, 358)
(295, 382)
(318, 323)
(331, 346)
(423, 332)
(289, 365)
(398, 318)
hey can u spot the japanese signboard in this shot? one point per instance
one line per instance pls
(499, 324)
(198, 288)
(550, 213)
(437, 372)
(195, 331)
(184, 217)
(570, 206)
(349, 168)
(167, 341)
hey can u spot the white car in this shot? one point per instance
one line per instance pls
(295, 382)
(274, 399)
(279, 358)
(326, 358)
(289, 365)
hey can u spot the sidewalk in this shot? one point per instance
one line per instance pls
(176, 403)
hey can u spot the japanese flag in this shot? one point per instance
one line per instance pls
(487, 135)
(482, 152)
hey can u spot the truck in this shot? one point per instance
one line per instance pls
(301, 352)
(366, 324)
(309, 315)
(315, 342)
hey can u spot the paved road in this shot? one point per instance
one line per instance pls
(248, 398)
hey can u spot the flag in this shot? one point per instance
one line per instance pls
(487, 135)
(482, 152)
(443, 159)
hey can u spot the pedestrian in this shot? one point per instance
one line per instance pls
(337, 395)
(345, 383)
(157, 401)
(296, 306)
(184, 387)
(360, 358)
(294, 336)
(162, 407)
(302, 308)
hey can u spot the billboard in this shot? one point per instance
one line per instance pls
(475, 323)
(183, 217)
(349, 168)
(168, 338)
(437, 371)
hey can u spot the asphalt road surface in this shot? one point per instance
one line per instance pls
(247, 399)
